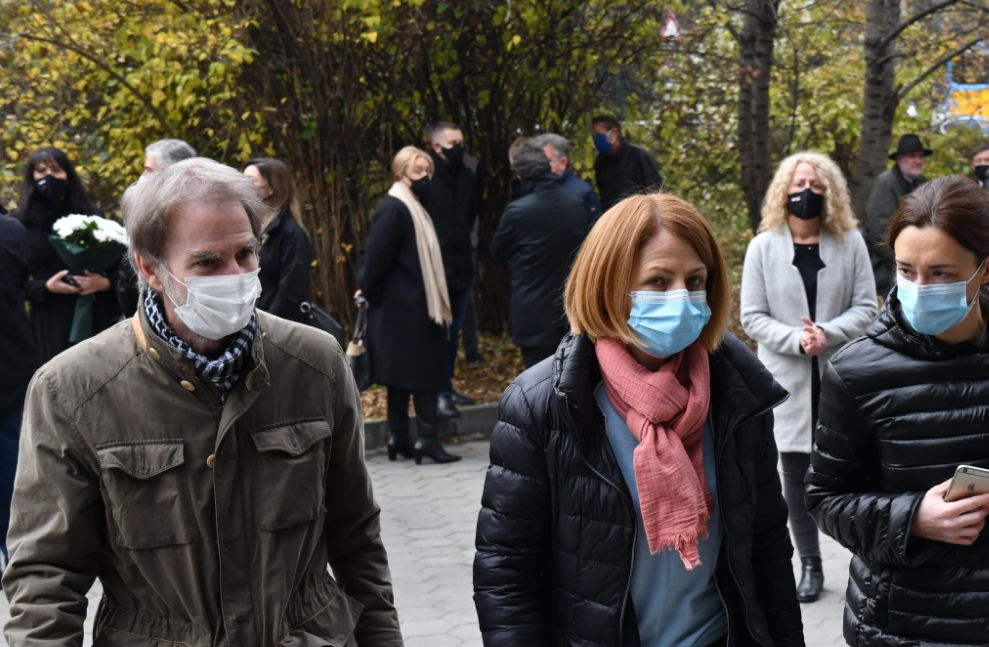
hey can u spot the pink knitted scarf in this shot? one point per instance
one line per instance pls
(665, 410)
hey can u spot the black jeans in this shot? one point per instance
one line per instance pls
(398, 412)
(802, 525)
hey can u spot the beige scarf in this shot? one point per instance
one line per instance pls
(430, 259)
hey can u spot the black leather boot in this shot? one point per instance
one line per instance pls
(399, 445)
(811, 579)
(428, 445)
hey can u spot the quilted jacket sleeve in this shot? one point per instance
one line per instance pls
(841, 494)
(513, 531)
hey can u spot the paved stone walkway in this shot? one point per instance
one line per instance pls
(428, 517)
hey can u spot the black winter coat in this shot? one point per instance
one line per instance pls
(284, 261)
(898, 412)
(452, 203)
(407, 349)
(537, 236)
(51, 314)
(629, 171)
(16, 343)
(554, 536)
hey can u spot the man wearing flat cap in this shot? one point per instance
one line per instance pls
(890, 187)
(204, 459)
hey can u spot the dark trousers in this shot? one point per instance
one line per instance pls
(532, 355)
(459, 299)
(469, 331)
(10, 431)
(398, 412)
(802, 525)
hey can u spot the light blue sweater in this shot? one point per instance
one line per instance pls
(674, 607)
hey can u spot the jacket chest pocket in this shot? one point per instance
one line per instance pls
(147, 493)
(290, 484)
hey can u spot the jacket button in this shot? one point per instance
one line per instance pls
(211, 461)
(187, 385)
(154, 354)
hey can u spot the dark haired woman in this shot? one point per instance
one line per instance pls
(51, 189)
(285, 249)
(900, 409)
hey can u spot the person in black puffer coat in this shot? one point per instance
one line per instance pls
(285, 248)
(563, 554)
(900, 409)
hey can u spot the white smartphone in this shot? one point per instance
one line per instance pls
(968, 481)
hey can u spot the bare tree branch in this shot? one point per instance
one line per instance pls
(146, 100)
(905, 90)
(914, 19)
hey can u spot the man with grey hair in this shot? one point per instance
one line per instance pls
(204, 459)
(537, 237)
(557, 150)
(165, 152)
(157, 157)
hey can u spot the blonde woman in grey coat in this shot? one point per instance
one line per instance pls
(807, 289)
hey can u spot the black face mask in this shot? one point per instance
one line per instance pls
(454, 155)
(51, 188)
(982, 172)
(420, 187)
(805, 205)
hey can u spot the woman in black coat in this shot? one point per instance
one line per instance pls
(606, 518)
(286, 253)
(409, 308)
(51, 189)
(900, 409)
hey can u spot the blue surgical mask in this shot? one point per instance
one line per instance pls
(602, 144)
(668, 322)
(937, 307)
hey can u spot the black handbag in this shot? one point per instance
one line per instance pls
(316, 317)
(357, 357)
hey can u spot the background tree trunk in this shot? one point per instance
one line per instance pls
(880, 99)
(756, 58)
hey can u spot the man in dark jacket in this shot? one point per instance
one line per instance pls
(19, 359)
(452, 203)
(890, 187)
(537, 236)
(620, 168)
(557, 150)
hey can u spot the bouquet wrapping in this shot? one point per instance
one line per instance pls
(87, 244)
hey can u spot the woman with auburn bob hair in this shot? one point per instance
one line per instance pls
(901, 409)
(807, 289)
(633, 497)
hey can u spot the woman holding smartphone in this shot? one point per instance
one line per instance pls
(900, 409)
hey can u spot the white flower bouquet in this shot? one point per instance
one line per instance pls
(87, 244)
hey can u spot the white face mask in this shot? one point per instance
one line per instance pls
(217, 306)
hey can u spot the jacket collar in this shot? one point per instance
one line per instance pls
(173, 361)
(891, 330)
(740, 385)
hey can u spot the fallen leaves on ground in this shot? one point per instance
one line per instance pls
(484, 381)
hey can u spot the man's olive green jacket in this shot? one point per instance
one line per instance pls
(208, 523)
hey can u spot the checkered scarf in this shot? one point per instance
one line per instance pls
(222, 371)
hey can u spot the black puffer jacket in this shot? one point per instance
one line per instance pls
(899, 411)
(554, 536)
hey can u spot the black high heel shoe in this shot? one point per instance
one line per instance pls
(399, 446)
(431, 448)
